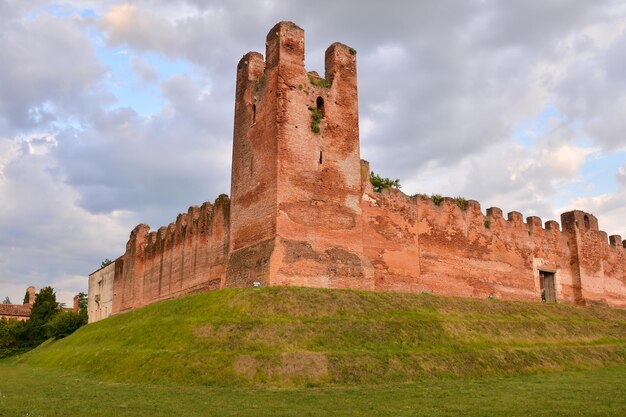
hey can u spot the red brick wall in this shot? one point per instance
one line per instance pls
(416, 245)
(304, 213)
(319, 232)
(391, 238)
(187, 256)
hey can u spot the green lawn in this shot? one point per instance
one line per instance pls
(27, 391)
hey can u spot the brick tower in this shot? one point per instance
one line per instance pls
(296, 180)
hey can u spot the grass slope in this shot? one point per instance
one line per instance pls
(307, 337)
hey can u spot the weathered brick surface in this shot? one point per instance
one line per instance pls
(189, 255)
(302, 211)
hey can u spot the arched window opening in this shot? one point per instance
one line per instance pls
(253, 113)
(586, 220)
(320, 105)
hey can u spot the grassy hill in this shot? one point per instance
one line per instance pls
(309, 337)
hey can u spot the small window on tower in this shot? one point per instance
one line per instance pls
(320, 105)
(253, 113)
(586, 220)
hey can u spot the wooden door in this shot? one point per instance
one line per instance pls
(550, 291)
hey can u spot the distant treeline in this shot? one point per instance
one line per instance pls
(47, 319)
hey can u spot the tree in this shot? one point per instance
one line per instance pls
(12, 337)
(65, 323)
(106, 262)
(43, 310)
(7, 300)
(379, 183)
(82, 307)
(82, 301)
(26, 298)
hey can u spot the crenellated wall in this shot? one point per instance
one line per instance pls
(598, 262)
(417, 245)
(189, 255)
(303, 212)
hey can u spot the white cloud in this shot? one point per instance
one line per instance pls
(128, 23)
(621, 175)
(9, 150)
(566, 160)
(48, 73)
(46, 236)
(144, 70)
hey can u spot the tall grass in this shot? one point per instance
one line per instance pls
(310, 337)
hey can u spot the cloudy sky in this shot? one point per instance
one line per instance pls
(118, 113)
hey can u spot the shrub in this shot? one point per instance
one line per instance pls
(379, 183)
(488, 224)
(437, 199)
(21, 336)
(319, 82)
(352, 51)
(65, 323)
(316, 118)
(82, 302)
(44, 309)
(12, 337)
(461, 202)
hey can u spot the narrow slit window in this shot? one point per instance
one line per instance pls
(321, 160)
(253, 113)
(320, 105)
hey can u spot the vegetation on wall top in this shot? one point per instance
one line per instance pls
(318, 81)
(379, 183)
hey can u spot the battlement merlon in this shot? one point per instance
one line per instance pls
(340, 64)
(615, 240)
(138, 236)
(579, 220)
(249, 69)
(284, 44)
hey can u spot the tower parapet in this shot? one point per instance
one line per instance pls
(296, 168)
